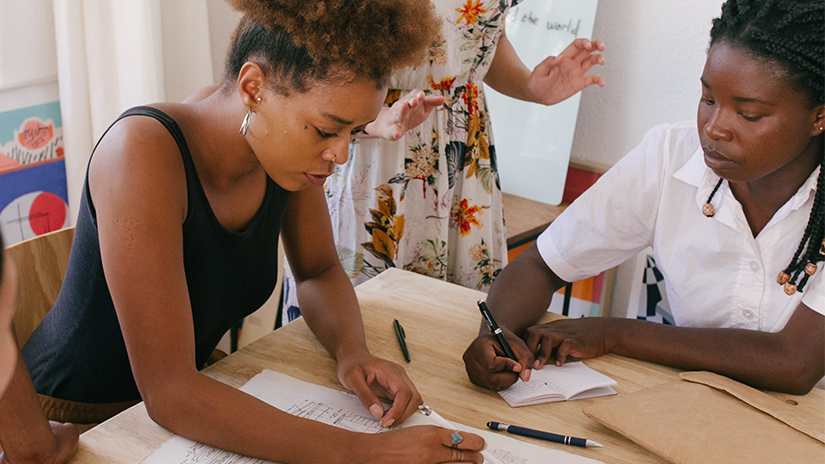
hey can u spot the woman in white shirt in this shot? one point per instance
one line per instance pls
(731, 208)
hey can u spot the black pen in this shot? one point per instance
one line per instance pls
(525, 432)
(491, 323)
(399, 332)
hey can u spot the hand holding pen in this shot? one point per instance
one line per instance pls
(496, 364)
(498, 333)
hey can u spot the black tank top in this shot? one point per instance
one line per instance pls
(77, 353)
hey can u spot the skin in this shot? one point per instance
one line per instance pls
(295, 139)
(764, 136)
(406, 113)
(555, 79)
(25, 434)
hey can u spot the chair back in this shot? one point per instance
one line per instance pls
(41, 264)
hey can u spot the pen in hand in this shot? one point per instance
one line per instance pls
(399, 333)
(525, 432)
(491, 324)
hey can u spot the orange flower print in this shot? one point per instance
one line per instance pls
(470, 97)
(464, 216)
(445, 84)
(470, 11)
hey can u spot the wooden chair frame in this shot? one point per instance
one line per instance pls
(41, 264)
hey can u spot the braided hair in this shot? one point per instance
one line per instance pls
(790, 33)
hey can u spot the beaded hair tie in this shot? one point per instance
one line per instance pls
(708, 210)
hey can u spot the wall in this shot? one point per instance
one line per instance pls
(28, 57)
(655, 54)
(222, 22)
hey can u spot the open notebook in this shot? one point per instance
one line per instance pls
(571, 381)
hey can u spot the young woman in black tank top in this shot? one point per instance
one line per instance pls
(177, 238)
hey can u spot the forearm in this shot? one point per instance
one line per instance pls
(208, 411)
(25, 434)
(330, 308)
(760, 359)
(507, 74)
(522, 291)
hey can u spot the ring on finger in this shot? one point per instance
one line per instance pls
(456, 439)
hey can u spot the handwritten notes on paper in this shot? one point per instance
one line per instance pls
(343, 410)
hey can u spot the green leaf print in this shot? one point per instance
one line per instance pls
(486, 176)
(351, 261)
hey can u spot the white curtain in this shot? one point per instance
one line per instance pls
(115, 54)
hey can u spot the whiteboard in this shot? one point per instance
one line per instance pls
(533, 141)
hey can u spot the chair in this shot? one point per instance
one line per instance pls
(41, 264)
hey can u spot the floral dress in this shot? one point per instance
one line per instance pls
(431, 201)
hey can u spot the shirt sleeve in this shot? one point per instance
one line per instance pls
(614, 219)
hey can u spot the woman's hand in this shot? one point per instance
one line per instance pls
(583, 338)
(371, 378)
(425, 444)
(488, 366)
(65, 446)
(558, 78)
(405, 114)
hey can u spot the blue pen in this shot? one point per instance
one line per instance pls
(525, 432)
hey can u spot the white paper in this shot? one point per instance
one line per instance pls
(343, 410)
(571, 381)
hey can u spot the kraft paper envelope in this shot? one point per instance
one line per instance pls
(708, 418)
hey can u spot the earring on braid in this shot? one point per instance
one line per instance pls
(708, 210)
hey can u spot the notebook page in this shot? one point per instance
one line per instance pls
(553, 383)
(572, 378)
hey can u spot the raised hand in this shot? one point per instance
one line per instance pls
(558, 78)
(407, 113)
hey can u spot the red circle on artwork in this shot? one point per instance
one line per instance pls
(48, 213)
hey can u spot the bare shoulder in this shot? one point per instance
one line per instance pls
(138, 165)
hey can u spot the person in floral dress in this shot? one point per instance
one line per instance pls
(426, 198)
(430, 202)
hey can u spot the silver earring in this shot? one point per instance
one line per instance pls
(245, 123)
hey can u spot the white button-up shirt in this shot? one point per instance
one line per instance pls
(716, 273)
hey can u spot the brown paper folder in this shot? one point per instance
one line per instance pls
(712, 419)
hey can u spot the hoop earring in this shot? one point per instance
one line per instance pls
(245, 123)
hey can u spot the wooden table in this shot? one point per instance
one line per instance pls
(526, 219)
(440, 320)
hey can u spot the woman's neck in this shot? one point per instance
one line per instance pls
(762, 198)
(222, 151)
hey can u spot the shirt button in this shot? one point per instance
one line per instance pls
(748, 314)
(754, 266)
